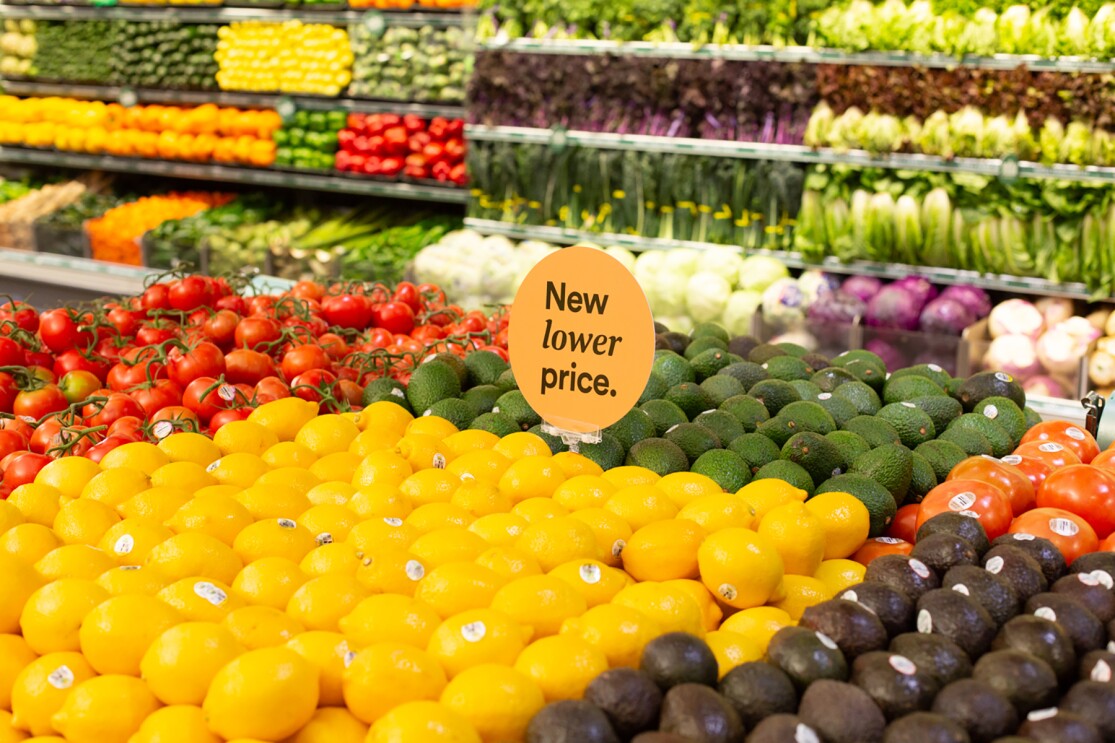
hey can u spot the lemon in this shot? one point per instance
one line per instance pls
(332, 493)
(541, 602)
(423, 451)
(194, 554)
(297, 479)
(508, 562)
(269, 693)
(52, 615)
(797, 535)
(219, 516)
(386, 675)
(328, 558)
(327, 434)
(386, 416)
(180, 723)
(73, 561)
(629, 476)
(136, 455)
(28, 542)
(438, 516)
(381, 467)
(422, 722)
(498, 529)
(157, 504)
(15, 655)
(732, 649)
(320, 602)
(845, 520)
(180, 663)
(331, 725)
(719, 511)
(105, 709)
(9, 516)
(389, 569)
(41, 688)
(274, 538)
(372, 440)
(535, 510)
(239, 468)
(479, 499)
(284, 418)
(456, 587)
(664, 550)
(257, 627)
(801, 592)
(477, 636)
(430, 425)
(189, 476)
(189, 447)
(840, 574)
(523, 444)
(379, 532)
(574, 464)
(273, 502)
(763, 495)
(200, 600)
(480, 464)
(129, 541)
(390, 618)
(115, 635)
(429, 486)
(114, 487)
(584, 491)
(496, 700)
(37, 502)
(244, 436)
(619, 632)
(446, 545)
(596, 582)
(740, 567)
(338, 467)
(329, 652)
(611, 532)
(126, 579)
(556, 541)
(683, 487)
(69, 475)
(268, 581)
(328, 522)
(288, 454)
(562, 666)
(383, 500)
(671, 607)
(9, 734)
(531, 477)
(470, 440)
(640, 505)
(759, 624)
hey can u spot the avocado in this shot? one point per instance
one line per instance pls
(708, 363)
(386, 389)
(698, 713)
(965, 527)
(890, 465)
(570, 721)
(1093, 561)
(747, 410)
(709, 329)
(903, 573)
(1040, 638)
(634, 426)
(693, 439)
(1058, 726)
(679, 658)
(782, 469)
(816, 360)
(1048, 557)
(1083, 628)
(880, 503)
(661, 456)
(554, 442)
(840, 409)
(866, 366)
(1003, 411)
(971, 442)
(747, 373)
(455, 410)
(958, 617)
(932, 372)
(937, 655)
(655, 736)
(831, 377)
(778, 429)
(841, 713)
(806, 656)
(860, 395)
(895, 682)
(925, 727)
(482, 398)
(942, 551)
(807, 416)
(942, 456)
(705, 343)
(850, 444)
(788, 368)
(673, 369)
(665, 415)
(725, 467)
(629, 698)
(690, 398)
(815, 454)
(723, 425)
(1089, 591)
(875, 431)
(922, 478)
(805, 389)
(941, 409)
(1017, 568)
(983, 385)
(893, 607)
(673, 341)
(1026, 681)
(1094, 701)
(764, 352)
(914, 426)
(852, 626)
(430, 382)
(755, 449)
(793, 349)
(992, 592)
(774, 394)
(742, 345)
(607, 453)
(483, 368)
(654, 389)
(1097, 665)
(720, 388)
(498, 423)
(783, 729)
(996, 435)
(1032, 417)
(901, 388)
(515, 406)
(758, 690)
(981, 710)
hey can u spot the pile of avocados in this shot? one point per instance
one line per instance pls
(960, 641)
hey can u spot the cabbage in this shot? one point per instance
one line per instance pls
(623, 255)
(723, 261)
(839, 307)
(864, 287)
(894, 307)
(681, 262)
(972, 297)
(706, 296)
(891, 356)
(1014, 354)
(918, 287)
(1060, 351)
(1015, 317)
(757, 272)
(740, 311)
(671, 292)
(1044, 386)
(816, 285)
(782, 303)
(946, 316)
(648, 265)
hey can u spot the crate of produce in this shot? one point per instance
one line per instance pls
(63, 232)
(18, 216)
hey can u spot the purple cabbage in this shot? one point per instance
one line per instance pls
(864, 287)
(836, 307)
(891, 356)
(894, 307)
(946, 316)
(918, 287)
(972, 297)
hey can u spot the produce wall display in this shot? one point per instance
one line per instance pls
(287, 57)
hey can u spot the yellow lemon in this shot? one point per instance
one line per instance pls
(710, 610)
(428, 486)
(320, 603)
(438, 516)
(740, 567)
(257, 627)
(474, 637)
(522, 444)
(763, 495)
(42, 687)
(640, 505)
(381, 467)
(387, 674)
(732, 649)
(28, 542)
(596, 582)
(186, 446)
(531, 477)
(181, 723)
(268, 581)
(845, 520)
(52, 615)
(15, 655)
(9, 516)
(37, 502)
(430, 425)
(188, 476)
(329, 652)
(331, 725)
(479, 498)
(422, 722)
(9, 733)
(509, 562)
(73, 561)
(458, 586)
(129, 541)
(377, 532)
(758, 624)
(297, 479)
(480, 464)
(69, 475)
(389, 569)
(288, 454)
(269, 693)
(719, 511)
(114, 487)
(498, 701)
(801, 592)
(125, 579)
(619, 632)
(244, 436)
(219, 516)
(273, 502)
(105, 709)
(629, 476)
(683, 487)
(136, 455)
(385, 415)
(840, 574)
(423, 451)
(337, 467)
(274, 538)
(284, 418)
(498, 529)
(239, 468)
(115, 635)
(611, 532)
(574, 464)
(328, 522)
(541, 602)
(556, 541)
(446, 545)
(383, 500)
(181, 662)
(330, 557)
(200, 600)
(373, 439)
(672, 608)
(584, 491)
(194, 554)
(157, 504)
(562, 666)
(797, 535)
(471, 440)
(534, 510)
(664, 550)
(331, 493)
(390, 618)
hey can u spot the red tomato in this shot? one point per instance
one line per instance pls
(40, 401)
(1068, 435)
(155, 297)
(46, 436)
(17, 425)
(1105, 458)
(407, 293)
(257, 333)
(243, 366)
(75, 360)
(161, 393)
(10, 441)
(988, 502)
(78, 385)
(1087, 491)
(221, 328)
(260, 305)
(130, 426)
(231, 302)
(8, 391)
(60, 331)
(334, 345)
(98, 451)
(1107, 545)
(190, 293)
(23, 468)
(350, 393)
(125, 322)
(396, 317)
(303, 358)
(1069, 532)
(21, 313)
(180, 417)
(1035, 469)
(1007, 478)
(115, 406)
(155, 333)
(880, 546)
(227, 416)
(11, 353)
(347, 311)
(314, 385)
(307, 290)
(202, 360)
(1053, 454)
(904, 521)
(269, 389)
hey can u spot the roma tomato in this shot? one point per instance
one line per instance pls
(880, 546)
(347, 311)
(1051, 453)
(202, 360)
(989, 504)
(1010, 480)
(40, 401)
(1068, 531)
(78, 385)
(1069, 435)
(1087, 491)
(244, 366)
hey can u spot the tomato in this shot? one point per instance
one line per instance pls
(39, 401)
(303, 358)
(190, 293)
(156, 395)
(880, 546)
(221, 328)
(11, 353)
(1069, 435)
(8, 391)
(125, 322)
(307, 290)
(21, 313)
(244, 366)
(407, 293)
(97, 452)
(206, 396)
(10, 441)
(75, 360)
(500, 351)
(1007, 478)
(59, 330)
(17, 425)
(259, 306)
(334, 345)
(129, 425)
(222, 417)
(1051, 453)
(46, 436)
(990, 504)
(179, 416)
(115, 406)
(269, 389)
(1107, 545)
(1087, 491)
(350, 393)
(315, 385)
(395, 317)
(1069, 532)
(257, 333)
(202, 360)
(154, 333)
(155, 297)
(347, 311)
(23, 468)
(78, 385)
(903, 525)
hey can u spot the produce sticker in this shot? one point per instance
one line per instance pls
(581, 339)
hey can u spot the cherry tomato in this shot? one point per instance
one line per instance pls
(903, 525)
(243, 366)
(79, 384)
(23, 468)
(990, 504)
(395, 317)
(202, 360)
(39, 401)
(1069, 532)
(1007, 478)
(880, 546)
(257, 333)
(1068, 435)
(1087, 491)
(347, 311)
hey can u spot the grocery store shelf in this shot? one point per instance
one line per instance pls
(809, 55)
(131, 96)
(220, 14)
(993, 282)
(994, 167)
(229, 174)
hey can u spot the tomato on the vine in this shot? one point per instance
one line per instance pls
(20, 313)
(347, 311)
(113, 407)
(189, 293)
(269, 389)
(75, 360)
(244, 366)
(257, 333)
(78, 385)
(23, 468)
(395, 317)
(314, 385)
(204, 359)
(221, 417)
(36, 402)
(160, 393)
(60, 331)
(304, 358)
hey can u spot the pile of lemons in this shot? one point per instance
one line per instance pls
(376, 577)
(288, 56)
